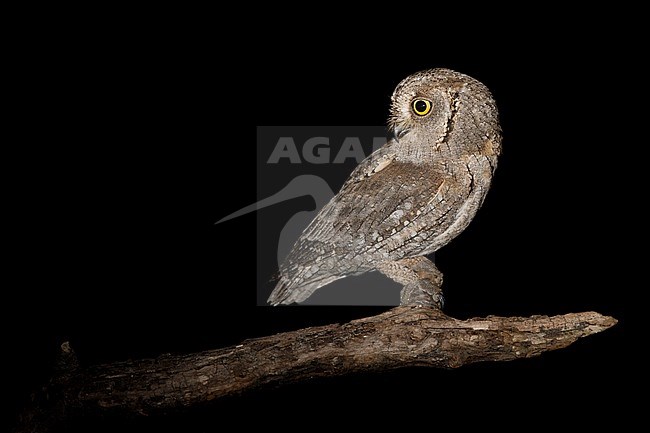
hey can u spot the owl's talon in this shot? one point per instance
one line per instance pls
(423, 293)
(421, 279)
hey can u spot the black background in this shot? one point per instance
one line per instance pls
(139, 150)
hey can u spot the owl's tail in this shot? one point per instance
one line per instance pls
(287, 292)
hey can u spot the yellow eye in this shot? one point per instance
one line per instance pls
(421, 107)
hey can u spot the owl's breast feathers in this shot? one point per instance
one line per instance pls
(386, 210)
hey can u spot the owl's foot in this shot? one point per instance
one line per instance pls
(421, 279)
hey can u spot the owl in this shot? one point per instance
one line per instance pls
(407, 199)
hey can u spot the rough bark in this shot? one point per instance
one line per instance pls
(401, 337)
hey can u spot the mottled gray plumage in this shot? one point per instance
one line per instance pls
(407, 199)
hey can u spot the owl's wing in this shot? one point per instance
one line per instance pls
(386, 210)
(374, 163)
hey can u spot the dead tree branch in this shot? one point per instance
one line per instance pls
(401, 337)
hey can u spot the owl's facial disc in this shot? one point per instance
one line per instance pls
(423, 110)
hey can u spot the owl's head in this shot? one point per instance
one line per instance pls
(443, 110)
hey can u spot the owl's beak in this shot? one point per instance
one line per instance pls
(399, 132)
